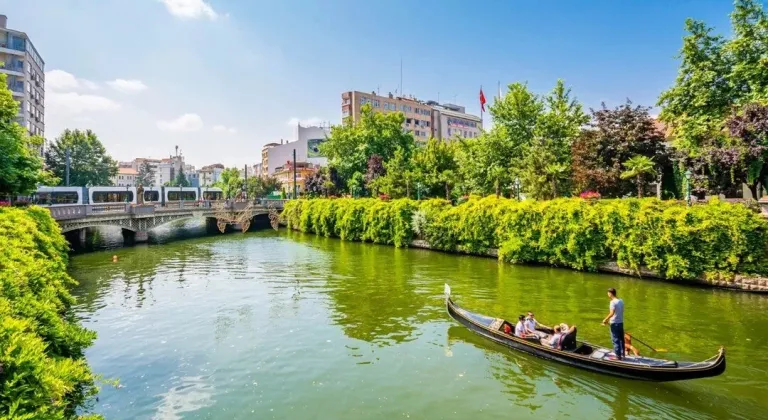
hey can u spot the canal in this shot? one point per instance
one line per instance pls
(285, 325)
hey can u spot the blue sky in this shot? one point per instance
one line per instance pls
(220, 78)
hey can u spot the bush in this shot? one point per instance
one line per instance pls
(42, 370)
(679, 242)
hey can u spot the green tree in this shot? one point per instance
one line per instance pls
(639, 167)
(399, 179)
(89, 162)
(20, 168)
(180, 180)
(488, 163)
(436, 167)
(230, 182)
(351, 144)
(254, 187)
(146, 176)
(270, 184)
(717, 75)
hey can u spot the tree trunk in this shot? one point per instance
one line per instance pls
(407, 189)
(447, 192)
(754, 187)
(554, 188)
(498, 188)
(639, 187)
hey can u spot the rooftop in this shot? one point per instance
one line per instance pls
(126, 171)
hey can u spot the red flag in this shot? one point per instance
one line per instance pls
(482, 100)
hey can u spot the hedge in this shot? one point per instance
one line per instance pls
(43, 373)
(714, 240)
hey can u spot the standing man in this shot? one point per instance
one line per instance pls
(616, 319)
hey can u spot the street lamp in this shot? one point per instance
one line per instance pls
(517, 187)
(688, 186)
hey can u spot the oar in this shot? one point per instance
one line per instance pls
(646, 344)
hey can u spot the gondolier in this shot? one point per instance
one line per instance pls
(616, 319)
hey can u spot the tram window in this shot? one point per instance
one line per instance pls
(182, 195)
(112, 196)
(212, 195)
(151, 195)
(56, 197)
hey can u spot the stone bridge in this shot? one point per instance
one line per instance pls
(139, 219)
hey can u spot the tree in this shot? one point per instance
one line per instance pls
(20, 169)
(180, 180)
(351, 144)
(490, 162)
(749, 131)
(638, 167)
(717, 75)
(270, 184)
(436, 167)
(375, 170)
(230, 183)
(399, 179)
(321, 183)
(146, 176)
(615, 135)
(89, 162)
(547, 155)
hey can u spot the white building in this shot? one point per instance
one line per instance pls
(209, 175)
(126, 177)
(307, 146)
(451, 121)
(25, 71)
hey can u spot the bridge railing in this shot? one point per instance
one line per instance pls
(75, 211)
(107, 208)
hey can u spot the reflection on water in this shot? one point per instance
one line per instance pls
(292, 326)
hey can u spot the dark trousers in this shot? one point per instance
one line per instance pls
(617, 336)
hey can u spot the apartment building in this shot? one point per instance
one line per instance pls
(418, 114)
(307, 147)
(25, 73)
(304, 171)
(451, 122)
(126, 177)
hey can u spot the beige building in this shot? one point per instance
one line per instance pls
(126, 177)
(418, 114)
(284, 174)
(265, 158)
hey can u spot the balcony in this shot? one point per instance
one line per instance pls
(15, 68)
(16, 87)
(12, 49)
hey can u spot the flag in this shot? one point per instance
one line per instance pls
(482, 100)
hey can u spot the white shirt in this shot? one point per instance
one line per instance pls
(530, 324)
(617, 305)
(519, 329)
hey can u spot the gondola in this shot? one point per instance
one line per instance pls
(584, 355)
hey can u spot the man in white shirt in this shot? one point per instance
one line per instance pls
(520, 327)
(616, 318)
(530, 324)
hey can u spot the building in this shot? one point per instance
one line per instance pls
(284, 174)
(451, 121)
(209, 175)
(126, 177)
(25, 71)
(307, 146)
(418, 114)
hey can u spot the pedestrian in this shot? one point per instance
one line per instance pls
(616, 319)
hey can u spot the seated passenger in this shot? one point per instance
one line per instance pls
(556, 342)
(531, 324)
(507, 328)
(520, 328)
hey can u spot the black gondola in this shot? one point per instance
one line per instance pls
(584, 355)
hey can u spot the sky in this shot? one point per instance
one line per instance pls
(220, 78)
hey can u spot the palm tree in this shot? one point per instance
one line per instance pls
(638, 167)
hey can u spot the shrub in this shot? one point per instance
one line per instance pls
(42, 370)
(717, 239)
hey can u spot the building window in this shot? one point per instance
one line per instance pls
(362, 100)
(376, 103)
(449, 131)
(345, 113)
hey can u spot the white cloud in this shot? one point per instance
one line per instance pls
(127, 86)
(186, 122)
(224, 129)
(312, 121)
(190, 9)
(60, 80)
(76, 103)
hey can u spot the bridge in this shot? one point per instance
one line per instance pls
(137, 220)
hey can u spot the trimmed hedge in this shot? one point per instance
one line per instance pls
(714, 240)
(43, 373)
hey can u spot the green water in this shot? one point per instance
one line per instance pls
(290, 326)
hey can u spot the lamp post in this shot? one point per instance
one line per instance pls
(688, 186)
(517, 187)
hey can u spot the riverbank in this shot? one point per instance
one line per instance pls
(43, 373)
(717, 244)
